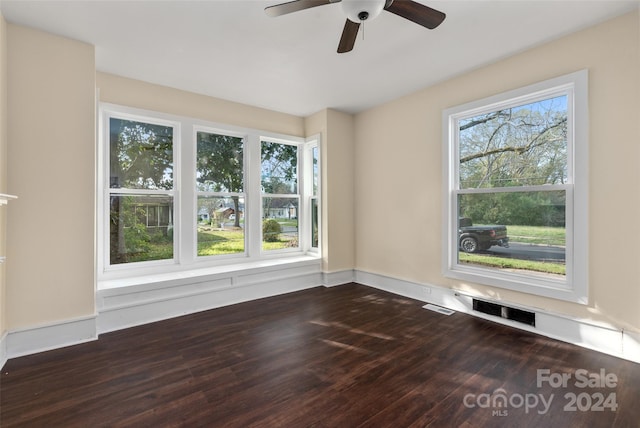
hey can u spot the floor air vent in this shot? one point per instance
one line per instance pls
(438, 309)
(495, 309)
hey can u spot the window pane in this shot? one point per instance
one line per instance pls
(220, 163)
(279, 168)
(141, 155)
(280, 223)
(315, 171)
(137, 233)
(519, 146)
(514, 231)
(220, 225)
(314, 223)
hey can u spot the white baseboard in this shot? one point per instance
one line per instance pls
(50, 336)
(124, 307)
(585, 333)
(331, 279)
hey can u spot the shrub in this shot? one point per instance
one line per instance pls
(292, 243)
(271, 230)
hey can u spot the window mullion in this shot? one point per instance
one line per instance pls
(515, 189)
(253, 216)
(185, 225)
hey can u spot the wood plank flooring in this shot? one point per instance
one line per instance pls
(348, 356)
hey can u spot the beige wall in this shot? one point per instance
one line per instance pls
(339, 195)
(139, 94)
(3, 167)
(399, 170)
(51, 148)
(337, 160)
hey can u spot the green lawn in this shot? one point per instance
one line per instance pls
(210, 243)
(231, 241)
(538, 235)
(218, 242)
(504, 263)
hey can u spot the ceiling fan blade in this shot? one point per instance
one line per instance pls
(295, 6)
(349, 34)
(416, 12)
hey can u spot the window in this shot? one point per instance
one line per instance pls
(178, 193)
(280, 198)
(220, 193)
(141, 197)
(313, 199)
(516, 189)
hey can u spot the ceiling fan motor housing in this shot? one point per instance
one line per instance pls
(361, 10)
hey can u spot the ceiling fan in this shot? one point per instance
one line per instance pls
(358, 11)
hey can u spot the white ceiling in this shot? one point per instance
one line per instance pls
(230, 49)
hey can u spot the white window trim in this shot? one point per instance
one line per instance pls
(306, 229)
(192, 241)
(575, 287)
(299, 196)
(103, 192)
(185, 197)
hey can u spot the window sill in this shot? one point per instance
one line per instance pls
(526, 283)
(201, 274)
(127, 302)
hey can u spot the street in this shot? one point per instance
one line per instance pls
(529, 252)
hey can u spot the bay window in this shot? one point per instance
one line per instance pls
(177, 193)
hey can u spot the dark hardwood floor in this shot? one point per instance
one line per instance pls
(346, 356)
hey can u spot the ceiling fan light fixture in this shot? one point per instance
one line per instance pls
(361, 10)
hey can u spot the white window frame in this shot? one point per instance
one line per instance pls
(185, 195)
(302, 242)
(574, 287)
(194, 229)
(105, 191)
(312, 143)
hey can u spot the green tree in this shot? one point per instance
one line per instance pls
(524, 145)
(279, 168)
(279, 171)
(141, 155)
(513, 147)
